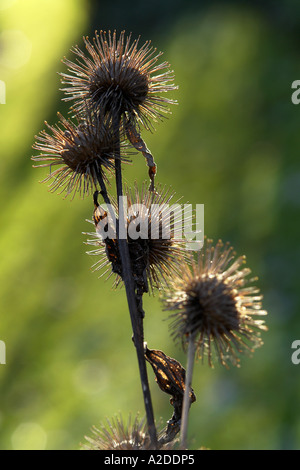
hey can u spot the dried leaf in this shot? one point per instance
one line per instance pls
(170, 377)
(138, 143)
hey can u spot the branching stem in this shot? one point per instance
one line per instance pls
(134, 308)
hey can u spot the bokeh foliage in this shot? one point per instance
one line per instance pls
(232, 143)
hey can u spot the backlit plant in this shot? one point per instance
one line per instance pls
(117, 88)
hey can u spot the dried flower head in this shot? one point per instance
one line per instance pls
(116, 435)
(80, 154)
(213, 301)
(154, 234)
(119, 79)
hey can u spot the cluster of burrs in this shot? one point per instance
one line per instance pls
(117, 87)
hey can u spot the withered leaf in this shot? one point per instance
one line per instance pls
(169, 373)
(170, 377)
(137, 142)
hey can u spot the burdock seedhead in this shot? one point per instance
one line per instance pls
(119, 78)
(213, 302)
(117, 435)
(154, 235)
(80, 155)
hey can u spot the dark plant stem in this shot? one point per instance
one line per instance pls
(134, 304)
(103, 191)
(105, 196)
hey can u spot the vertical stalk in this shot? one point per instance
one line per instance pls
(187, 392)
(103, 190)
(105, 196)
(135, 316)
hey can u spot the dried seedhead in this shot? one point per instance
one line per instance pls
(119, 78)
(212, 301)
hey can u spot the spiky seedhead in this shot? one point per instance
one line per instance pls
(154, 234)
(79, 154)
(213, 301)
(118, 78)
(117, 435)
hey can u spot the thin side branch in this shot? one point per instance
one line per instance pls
(187, 392)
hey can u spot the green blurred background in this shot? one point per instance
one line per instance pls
(232, 143)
